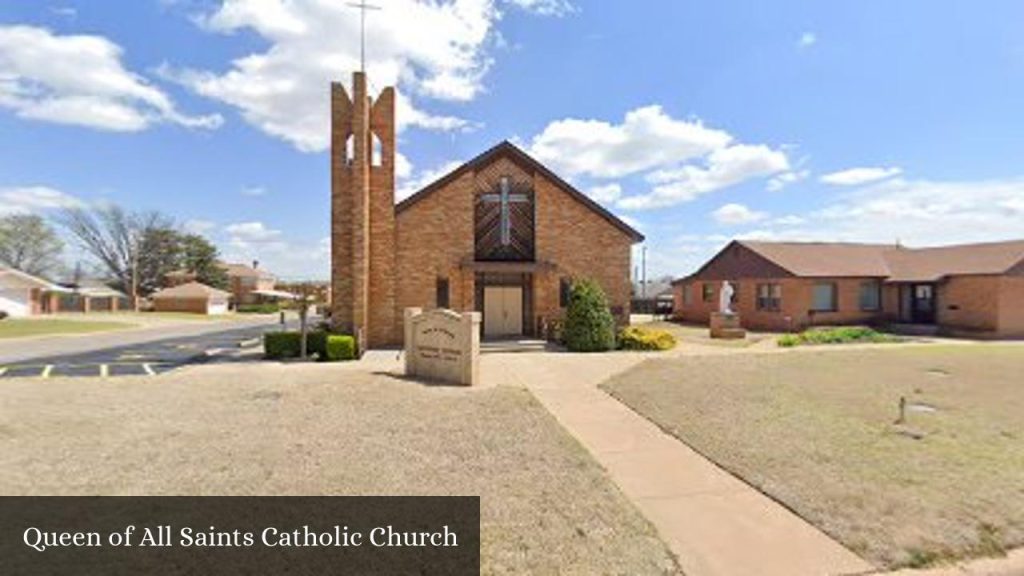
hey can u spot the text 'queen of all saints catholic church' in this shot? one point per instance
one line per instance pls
(501, 234)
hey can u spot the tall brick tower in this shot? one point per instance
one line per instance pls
(363, 213)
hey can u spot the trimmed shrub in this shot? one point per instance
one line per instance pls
(339, 347)
(589, 326)
(268, 308)
(637, 338)
(840, 335)
(3, 315)
(326, 347)
(279, 345)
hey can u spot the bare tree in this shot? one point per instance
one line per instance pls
(132, 247)
(29, 244)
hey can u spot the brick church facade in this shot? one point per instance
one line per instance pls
(501, 234)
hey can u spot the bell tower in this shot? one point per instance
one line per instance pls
(363, 213)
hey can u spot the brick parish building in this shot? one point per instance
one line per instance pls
(501, 234)
(973, 288)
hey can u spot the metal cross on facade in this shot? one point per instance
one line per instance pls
(363, 7)
(506, 198)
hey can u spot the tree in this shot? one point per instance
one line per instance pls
(29, 244)
(136, 249)
(201, 258)
(589, 326)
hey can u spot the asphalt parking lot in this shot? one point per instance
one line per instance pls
(149, 358)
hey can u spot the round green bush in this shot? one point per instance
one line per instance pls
(589, 326)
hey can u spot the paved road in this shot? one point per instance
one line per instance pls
(21, 349)
(145, 355)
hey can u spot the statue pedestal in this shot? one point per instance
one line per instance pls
(727, 326)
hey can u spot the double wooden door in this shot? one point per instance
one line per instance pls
(503, 311)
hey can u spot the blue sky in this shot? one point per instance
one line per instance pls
(695, 121)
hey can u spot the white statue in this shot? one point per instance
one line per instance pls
(725, 298)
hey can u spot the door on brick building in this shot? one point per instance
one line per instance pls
(922, 309)
(503, 311)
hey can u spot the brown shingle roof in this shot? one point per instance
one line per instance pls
(825, 258)
(190, 290)
(895, 264)
(507, 147)
(929, 264)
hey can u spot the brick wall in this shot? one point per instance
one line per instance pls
(968, 303)
(1011, 306)
(583, 245)
(795, 307)
(434, 236)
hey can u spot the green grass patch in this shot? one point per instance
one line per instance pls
(841, 335)
(20, 328)
(267, 308)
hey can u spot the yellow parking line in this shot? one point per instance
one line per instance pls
(148, 369)
(46, 371)
(104, 370)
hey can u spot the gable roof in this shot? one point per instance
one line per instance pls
(893, 263)
(824, 258)
(24, 278)
(507, 148)
(190, 290)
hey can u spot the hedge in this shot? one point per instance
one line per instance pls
(842, 335)
(637, 338)
(589, 326)
(326, 347)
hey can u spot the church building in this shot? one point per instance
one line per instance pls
(501, 234)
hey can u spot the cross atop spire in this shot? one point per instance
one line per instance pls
(362, 6)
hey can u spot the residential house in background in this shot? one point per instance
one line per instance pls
(244, 281)
(191, 298)
(23, 294)
(974, 288)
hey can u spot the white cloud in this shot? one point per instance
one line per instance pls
(199, 226)
(254, 191)
(68, 12)
(605, 194)
(414, 183)
(20, 200)
(725, 167)
(807, 39)
(647, 138)
(734, 214)
(785, 179)
(80, 80)
(253, 236)
(860, 176)
(545, 7)
(432, 50)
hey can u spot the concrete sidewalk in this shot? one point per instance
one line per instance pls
(716, 524)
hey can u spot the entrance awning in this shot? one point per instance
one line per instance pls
(509, 267)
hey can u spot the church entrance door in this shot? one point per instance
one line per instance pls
(503, 311)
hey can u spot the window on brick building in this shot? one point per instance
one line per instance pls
(870, 296)
(769, 297)
(564, 292)
(443, 298)
(825, 297)
(707, 292)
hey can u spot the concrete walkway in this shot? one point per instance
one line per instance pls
(716, 524)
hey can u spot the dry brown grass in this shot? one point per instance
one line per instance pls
(815, 431)
(264, 429)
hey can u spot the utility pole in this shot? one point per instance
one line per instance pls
(362, 6)
(643, 268)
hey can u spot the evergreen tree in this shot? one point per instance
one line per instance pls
(589, 326)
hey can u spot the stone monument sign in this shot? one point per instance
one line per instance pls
(443, 345)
